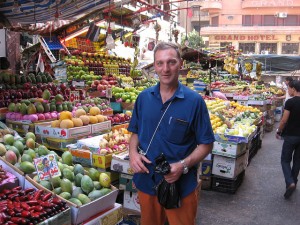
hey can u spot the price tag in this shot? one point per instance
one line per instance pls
(108, 93)
(74, 96)
(46, 167)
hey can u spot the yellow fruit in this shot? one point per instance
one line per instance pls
(65, 115)
(100, 118)
(80, 112)
(55, 123)
(66, 124)
(94, 111)
(77, 122)
(93, 119)
(85, 119)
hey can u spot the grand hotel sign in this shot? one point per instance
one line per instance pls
(258, 37)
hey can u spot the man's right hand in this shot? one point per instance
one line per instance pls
(137, 163)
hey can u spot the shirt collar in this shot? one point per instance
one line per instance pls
(178, 94)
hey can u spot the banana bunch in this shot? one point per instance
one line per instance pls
(230, 64)
(248, 67)
(258, 70)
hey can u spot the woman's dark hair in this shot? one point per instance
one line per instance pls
(4, 63)
(295, 84)
(289, 79)
(246, 88)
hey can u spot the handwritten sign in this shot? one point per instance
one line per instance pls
(74, 96)
(46, 167)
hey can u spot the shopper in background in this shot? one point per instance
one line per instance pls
(287, 95)
(172, 119)
(246, 91)
(289, 129)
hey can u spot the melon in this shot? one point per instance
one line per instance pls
(65, 115)
(93, 119)
(66, 124)
(100, 118)
(55, 123)
(85, 119)
(77, 122)
(94, 111)
(80, 112)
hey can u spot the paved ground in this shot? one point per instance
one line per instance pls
(259, 200)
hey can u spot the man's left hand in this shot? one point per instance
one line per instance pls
(176, 171)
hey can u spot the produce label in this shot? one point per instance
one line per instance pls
(74, 96)
(46, 167)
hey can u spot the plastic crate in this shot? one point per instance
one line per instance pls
(225, 185)
(53, 43)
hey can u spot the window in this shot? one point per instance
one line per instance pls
(269, 20)
(223, 45)
(247, 47)
(291, 20)
(215, 21)
(247, 20)
(268, 48)
(290, 48)
(257, 20)
(196, 11)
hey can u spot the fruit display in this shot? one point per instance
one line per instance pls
(114, 141)
(76, 184)
(22, 151)
(126, 94)
(38, 109)
(120, 118)
(28, 206)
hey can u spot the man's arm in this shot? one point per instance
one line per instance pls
(200, 152)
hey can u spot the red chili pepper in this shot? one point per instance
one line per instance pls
(17, 199)
(28, 190)
(37, 194)
(10, 212)
(3, 202)
(46, 197)
(56, 200)
(6, 191)
(10, 206)
(35, 215)
(17, 188)
(18, 209)
(32, 202)
(23, 198)
(16, 219)
(25, 206)
(38, 208)
(17, 204)
(25, 214)
(48, 204)
(12, 196)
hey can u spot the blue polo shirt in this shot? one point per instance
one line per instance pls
(185, 125)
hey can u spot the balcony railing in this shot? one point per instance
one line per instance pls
(211, 5)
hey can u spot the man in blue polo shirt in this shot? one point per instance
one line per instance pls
(172, 119)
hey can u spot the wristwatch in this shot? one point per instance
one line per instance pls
(278, 132)
(185, 167)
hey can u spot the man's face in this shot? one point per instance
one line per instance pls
(167, 66)
(291, 91)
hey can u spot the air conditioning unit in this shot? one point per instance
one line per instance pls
(282, 15)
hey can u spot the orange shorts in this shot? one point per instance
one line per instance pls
(153, 213)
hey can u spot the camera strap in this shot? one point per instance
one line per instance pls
(141, 151)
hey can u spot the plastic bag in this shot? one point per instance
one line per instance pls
(167, 193)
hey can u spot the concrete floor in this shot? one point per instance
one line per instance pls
(259, 200)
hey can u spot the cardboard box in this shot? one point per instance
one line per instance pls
(101, 127)
(131, 201)
(91, 143)
(206, 182)
(120, 163)
(206, 168)
(82, 213)
(13, 170)
(229, 149)
(46, 130)
(257, 102)
(102, 161)
(58, 144)
(82, 156)
(229, 167)
(235, 139)
(241, 97)
(125, 183)
(108, 217)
